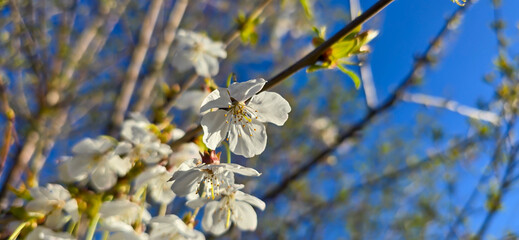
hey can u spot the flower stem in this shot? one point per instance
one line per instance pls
(228, 153)
(17, 231)
(92, 227)
(106, 234)
(71, 227)
(162, 210)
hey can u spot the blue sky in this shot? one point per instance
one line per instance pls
(408, 26)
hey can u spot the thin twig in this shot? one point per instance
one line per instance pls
(9, 130)
(311, 57)
(432, 159)
(504, 184)
(161, 52)
(453, 106)
(415, 73)
(132, 73)
(366, 74)
(27, 151)
(495, 156)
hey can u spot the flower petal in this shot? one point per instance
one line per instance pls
(244, 216)
(271, 107)
(247, 142)
(78, 167)
(215, 127)
(56, 219)
(212, 64)
(191, 99)
(186, 182)
(245, 90)
(214, 220)
(103, 178)
(119, 165)
(218, 98)
(252, 200)
(197, 203)
(181, 60)
(44, 233)
(245, 171)
(71, 208)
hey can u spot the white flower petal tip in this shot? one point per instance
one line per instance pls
(235, 207)
(99, 161)
(198, 51)
(172, 227)
(55, 202)
(237, 114)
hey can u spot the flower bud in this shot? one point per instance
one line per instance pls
(211, 157)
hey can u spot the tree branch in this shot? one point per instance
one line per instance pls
(161, 52)
(132, 73)
(431, 101)
(386, 105)
(308, 59)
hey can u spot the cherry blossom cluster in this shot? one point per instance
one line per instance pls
(112, 183)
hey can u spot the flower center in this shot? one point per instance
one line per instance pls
(242, 115)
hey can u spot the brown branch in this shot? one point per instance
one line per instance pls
(311, 57)
(10, 131)
(161, 52)
(132, 73)
(386, 105)
(35, 136)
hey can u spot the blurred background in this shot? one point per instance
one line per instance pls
(426, 148)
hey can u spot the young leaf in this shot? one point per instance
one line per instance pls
(351, 74)
(308, 10)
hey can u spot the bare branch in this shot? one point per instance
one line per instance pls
(431, 101)
(311, 57)
(366, 75)
(9, 129)
(139, 53)
(415, 73)
(161, 52)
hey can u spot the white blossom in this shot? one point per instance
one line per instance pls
(172, 227)
(198, 51)
(238, 115)
(43, 233)
(146, 145)
(234, 207)
(325, 129)
(55, 202)
(119, 215)
(156, 180)
(215, 177)
(98, 159)
(128, 236)
(191, 100)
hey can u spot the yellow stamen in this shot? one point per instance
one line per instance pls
(228, 218)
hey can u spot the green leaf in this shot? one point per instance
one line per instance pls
(351, 74)
(314, 68)
(342, 49)
(229, 78)
(308, 10)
